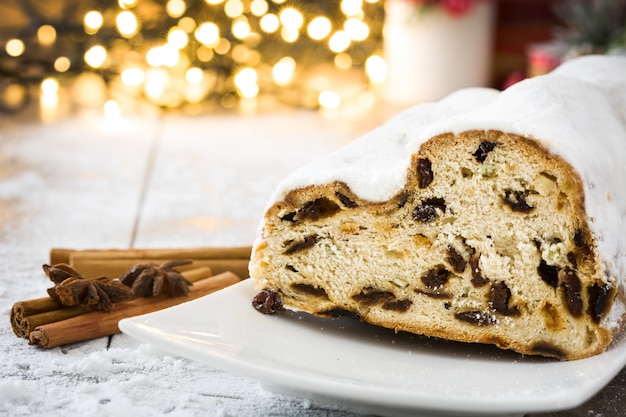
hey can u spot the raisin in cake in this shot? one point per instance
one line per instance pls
(488, 217)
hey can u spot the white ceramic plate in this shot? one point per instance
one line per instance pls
(366, 368)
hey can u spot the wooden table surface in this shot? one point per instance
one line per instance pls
(153, 181)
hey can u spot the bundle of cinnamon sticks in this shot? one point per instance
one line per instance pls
(47, 323)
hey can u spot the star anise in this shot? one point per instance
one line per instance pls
(60, 272)
(151, 279)
(72, 288)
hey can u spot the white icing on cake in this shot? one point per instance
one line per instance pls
(375, 165)
(577, 112)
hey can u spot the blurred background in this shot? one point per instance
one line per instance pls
(346, 57)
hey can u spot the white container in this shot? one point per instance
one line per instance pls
(432, 53)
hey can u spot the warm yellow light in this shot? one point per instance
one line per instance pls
(112, 110)
(250, 91)
(132, 76)
(93, 21)
(269, 23)
(156, 82)
(49, 87)
(283, 71)
(62, 64)
(291, 18)
(240, 27)
(240, 53)
(46, 35)
(259, 7)
(356, 29)
(319, 28)
(14, 95)
(95, 56)
(175, 8)
(127, 24)
(329, 99)
(208, 34)
(376, 69)
(343, 61)
(167, 55)
(15, 47)
(153, 57)
(127, 4)
(177, 37)
(339, 42)
(222, 47)
(233, 8)
(204, 53)
(194, 75)
(49, 107)
(279, 1)
(253, 57)
(351, 7)
(246, 82)
(289, 35)
(214, 1)
(187, 24)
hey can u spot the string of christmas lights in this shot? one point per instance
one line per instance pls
(187, 52)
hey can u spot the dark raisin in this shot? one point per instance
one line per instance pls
(371, 296)
(424, 214)
(436, 277)
(500, 296)
(517, 200)
(580, 238)
(345, 200)
(548, 273)
(424, 169)
(291, 268)
(571, 288)
(268, 302)
(600, 297)
(314, 210)
(289, 217)
(447, 306)
(483, 150)
(477, 317)
(478, 280)
(309, 289)
(307, 243)
(427, 211)
(571, 257)
(397, 305)
(455, 259)
(547, 349)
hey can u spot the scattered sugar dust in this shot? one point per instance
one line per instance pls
(131, 379)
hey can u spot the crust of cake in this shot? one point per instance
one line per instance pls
(487, 242)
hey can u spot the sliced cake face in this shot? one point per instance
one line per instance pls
(487, 242)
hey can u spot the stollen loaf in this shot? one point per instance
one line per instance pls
(494, 217)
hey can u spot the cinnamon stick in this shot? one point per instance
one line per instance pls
(29, 314)
(93, 263)
(98, 323)
(95, 267)
(62, 255)
(23, 326)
